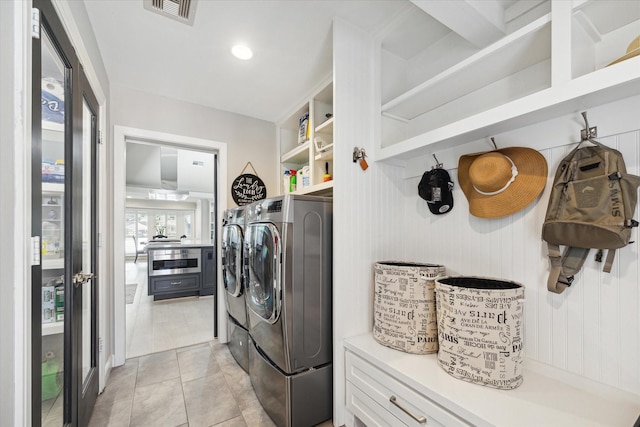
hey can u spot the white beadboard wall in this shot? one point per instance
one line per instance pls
(367, 204)
(591, 331)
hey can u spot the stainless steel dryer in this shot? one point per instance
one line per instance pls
(233, 277)
(288, 253)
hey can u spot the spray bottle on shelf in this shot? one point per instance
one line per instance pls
(286, 181)
(293, 181)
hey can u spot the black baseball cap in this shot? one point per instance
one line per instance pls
(435, 187)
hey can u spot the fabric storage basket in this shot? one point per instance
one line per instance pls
(480, 330)
(404, 306)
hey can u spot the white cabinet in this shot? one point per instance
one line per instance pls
(378, 399)
(441, 86)
(424, 394)
(311, 151)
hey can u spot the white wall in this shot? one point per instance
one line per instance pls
(14, 193)
(247, 139)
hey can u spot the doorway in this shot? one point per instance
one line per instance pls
(122, 136)
(170, 200)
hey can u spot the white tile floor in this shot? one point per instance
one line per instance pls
(155, 326)
(168, 378)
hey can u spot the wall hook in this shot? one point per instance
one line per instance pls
(438, 164)
(494, 143)
(359, 155)
(588, 132)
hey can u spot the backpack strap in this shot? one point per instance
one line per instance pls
(608, 262)
(564, 266)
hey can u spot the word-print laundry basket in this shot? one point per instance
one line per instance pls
(480, 330)
(404, 306)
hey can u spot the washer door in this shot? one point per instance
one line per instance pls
(232, 259)
(263, 251)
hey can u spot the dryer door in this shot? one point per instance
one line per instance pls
(232, 259)
(263, 251)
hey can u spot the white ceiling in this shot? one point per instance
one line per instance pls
(291, 41)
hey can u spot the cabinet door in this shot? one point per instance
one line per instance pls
(175, 284)
(208, 271)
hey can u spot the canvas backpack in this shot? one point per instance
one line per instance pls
(592, 203)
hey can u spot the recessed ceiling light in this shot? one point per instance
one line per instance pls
(241, 52)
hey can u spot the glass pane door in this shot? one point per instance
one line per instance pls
(53, 232)
(85, 283)
(262, 250)
(87, 241)
(63, 165)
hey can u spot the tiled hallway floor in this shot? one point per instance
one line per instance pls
(155, 326)
(200, 385)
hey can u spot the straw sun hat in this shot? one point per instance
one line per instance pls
(501, 182)
(632, 50)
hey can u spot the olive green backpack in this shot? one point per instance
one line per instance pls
(592, 203)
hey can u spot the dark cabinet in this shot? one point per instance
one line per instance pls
(187, 284)
(179, 285)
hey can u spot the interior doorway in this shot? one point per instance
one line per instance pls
(202, 223)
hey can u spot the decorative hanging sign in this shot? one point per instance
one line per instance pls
(248, 188)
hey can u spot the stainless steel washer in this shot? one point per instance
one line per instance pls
(233, 278)
(288, 254)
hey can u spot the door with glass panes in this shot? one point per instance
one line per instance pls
(64, 285)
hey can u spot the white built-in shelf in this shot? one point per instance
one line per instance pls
(325, 127)
(322, 189)
(499, 60)
(319, 106)
(299, 155)
(552, 61)
(52, 187)
(326, 154)
(52, 263)
(607, 85)
(52, 328)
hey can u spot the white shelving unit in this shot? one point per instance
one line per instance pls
(53, 217)
(52, 328)
(552, 60)
(317, 157)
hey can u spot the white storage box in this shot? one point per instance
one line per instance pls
(404, 306)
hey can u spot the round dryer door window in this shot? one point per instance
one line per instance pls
(232, 259)
(263, 268)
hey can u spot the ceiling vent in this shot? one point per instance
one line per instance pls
(180, 10)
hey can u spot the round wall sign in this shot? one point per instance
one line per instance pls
(248, 188)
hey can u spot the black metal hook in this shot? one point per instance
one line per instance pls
(438, 164)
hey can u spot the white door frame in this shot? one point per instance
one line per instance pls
(120, 135)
